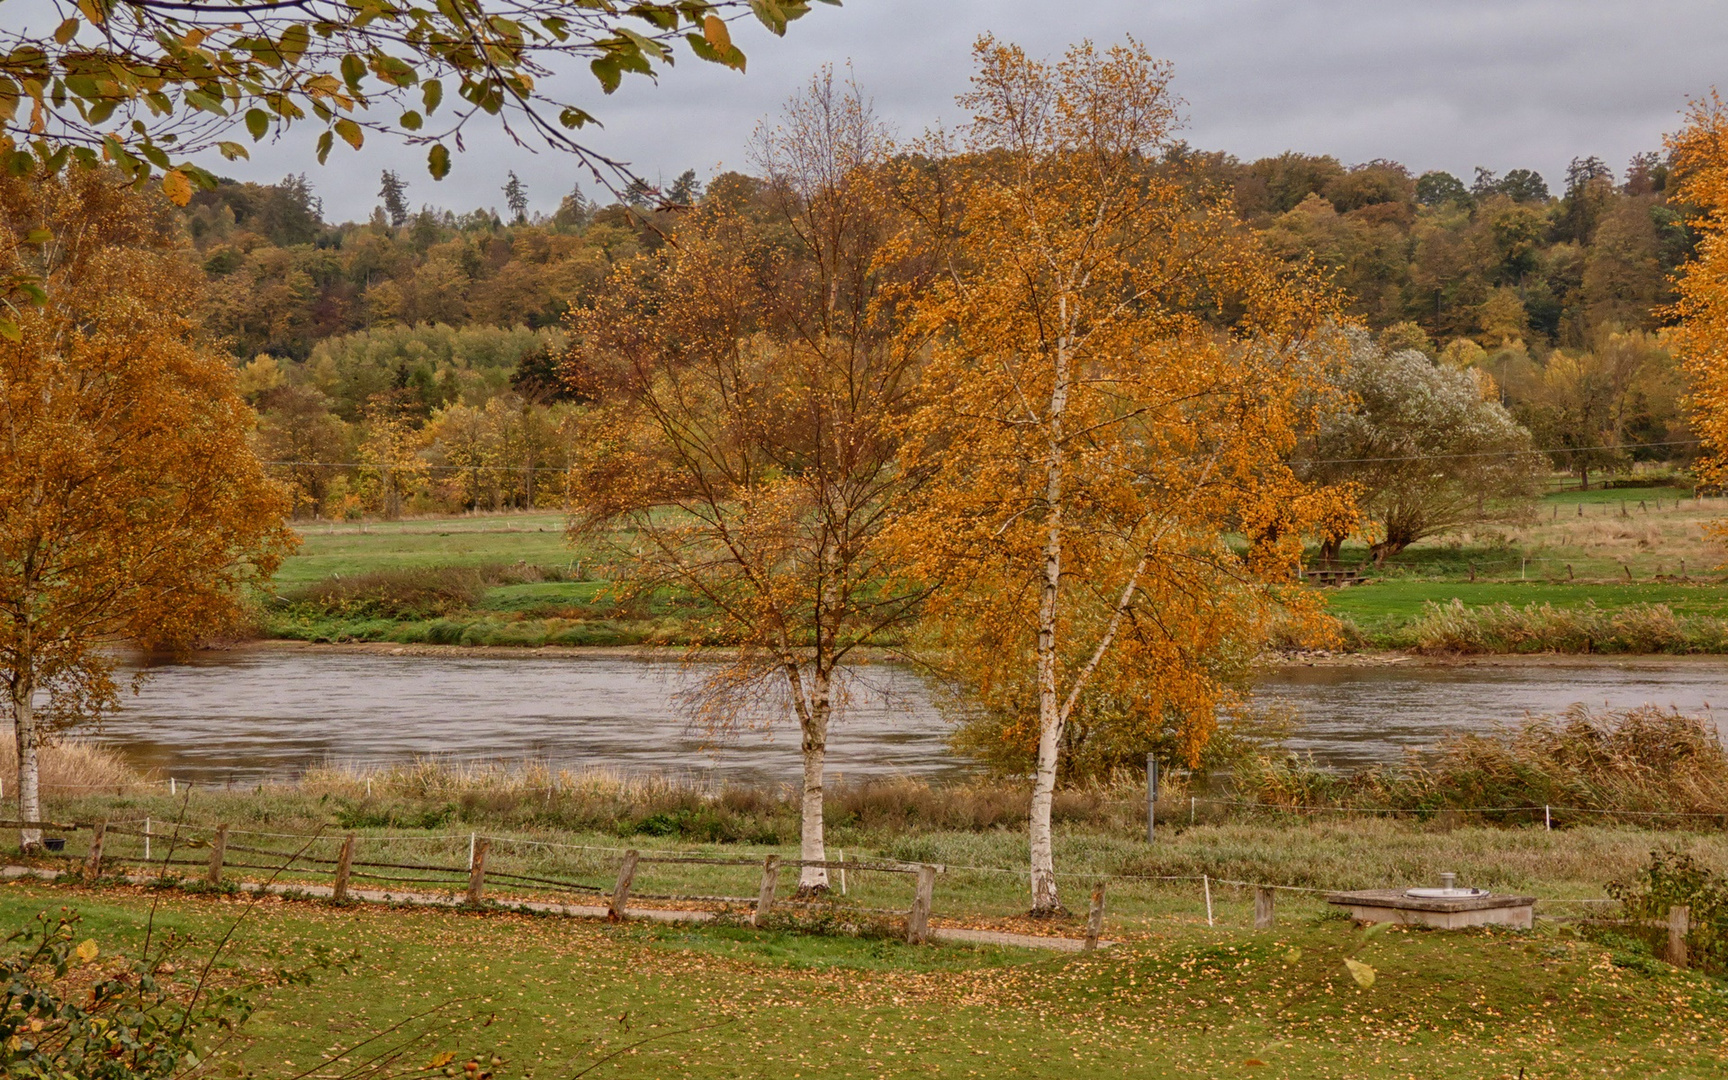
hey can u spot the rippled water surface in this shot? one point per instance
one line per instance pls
(272, 712)
(1352, 716)
(269, 712)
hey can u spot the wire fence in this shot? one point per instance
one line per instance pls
(476, 869)
(1550, 815)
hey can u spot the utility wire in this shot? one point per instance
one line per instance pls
(1500, 453)
(1630, 447)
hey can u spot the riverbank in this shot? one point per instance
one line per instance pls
(1624, 570)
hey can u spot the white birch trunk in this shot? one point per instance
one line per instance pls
(813, 711)
(29, 739)
(812, 844)
(1045, 900)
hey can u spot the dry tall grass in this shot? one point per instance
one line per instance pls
(1502, 628)
(1635, 761)
(71, 766)
(430, 791)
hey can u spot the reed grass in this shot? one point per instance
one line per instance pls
(1534, 628)
(1644, 760)
(71, 766)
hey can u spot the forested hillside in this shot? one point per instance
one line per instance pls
(411, 361)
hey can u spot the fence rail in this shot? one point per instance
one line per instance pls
(179, 840)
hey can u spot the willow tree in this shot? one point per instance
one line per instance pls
(131, 505)
(1700, 153)
(1117, 373)
(749, 384)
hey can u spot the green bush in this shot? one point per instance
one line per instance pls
(133, 1019)
(1673, 878)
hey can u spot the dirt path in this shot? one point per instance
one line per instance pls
(577, 911)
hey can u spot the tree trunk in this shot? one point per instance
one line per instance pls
(29, 739)
(811, 846)
(1045, 900)
(1385, 549)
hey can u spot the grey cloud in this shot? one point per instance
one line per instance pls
(1434, 83)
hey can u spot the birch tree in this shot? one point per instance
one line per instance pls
(131, 506)
(749, 388)
(1116, 372)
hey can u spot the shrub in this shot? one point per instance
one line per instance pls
(1672, 878)
(417, 592)
(66, 1013)
(412, 593)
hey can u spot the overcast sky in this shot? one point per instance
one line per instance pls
(1436, 84)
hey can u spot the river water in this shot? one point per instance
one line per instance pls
(270, 712)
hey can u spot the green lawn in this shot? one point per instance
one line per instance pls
(552, 997)
(341, 548)
(1402, 599)
(1575, 547)
(1598, 494)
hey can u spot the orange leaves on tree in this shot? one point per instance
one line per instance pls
(1117, 374)
(131, 504)
(749, 390)
(1700, 169)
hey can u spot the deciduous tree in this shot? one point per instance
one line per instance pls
(1426, 451)
(1700, 171)
(749, 386)
(131, 506)
(1117, 372)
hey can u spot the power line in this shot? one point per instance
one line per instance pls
(1629, 447)
(1500, 453)
(419, 465)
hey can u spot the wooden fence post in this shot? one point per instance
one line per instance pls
(93, 864)
(1264, 903)
(1095, 919)
(765, 895)
(477, 872)
(1679, 922)
(918, 919)
(218, 849)
(621, 891)
(344, 862)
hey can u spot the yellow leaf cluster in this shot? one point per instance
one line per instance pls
(1700, 156)
(1118, 373)
(131, 503)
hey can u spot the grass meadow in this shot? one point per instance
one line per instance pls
(1629, 548)
(538, 997)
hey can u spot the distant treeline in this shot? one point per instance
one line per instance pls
(431, 339)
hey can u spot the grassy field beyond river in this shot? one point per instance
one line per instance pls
(511, 579)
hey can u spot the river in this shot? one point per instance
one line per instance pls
(270, 712)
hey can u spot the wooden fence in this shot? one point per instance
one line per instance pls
(183, 841)
(211, 849)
